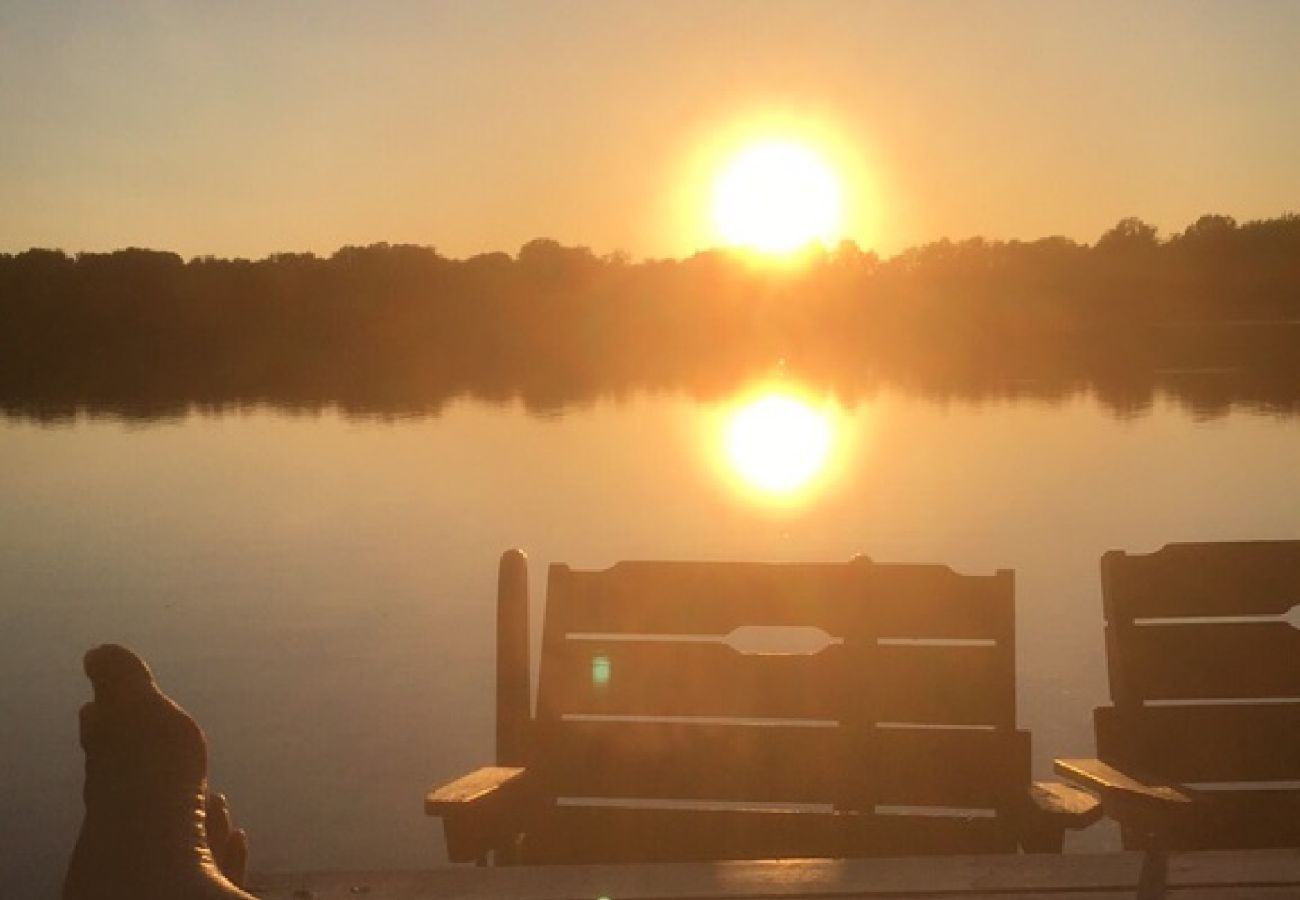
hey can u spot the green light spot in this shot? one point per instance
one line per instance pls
(600, 670)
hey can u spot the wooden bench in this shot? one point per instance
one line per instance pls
(678, 720)
(1201, 745)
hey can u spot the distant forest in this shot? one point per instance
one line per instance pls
(1209, 316)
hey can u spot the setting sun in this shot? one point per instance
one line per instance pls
(777, 196)
(777, 443)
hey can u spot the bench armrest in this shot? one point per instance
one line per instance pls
(1151, 808)
(1050, 809)
(482, 811)
(1072, 807)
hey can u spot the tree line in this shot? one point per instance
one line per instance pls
(1209, 316)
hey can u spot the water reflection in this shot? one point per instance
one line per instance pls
(778, 443)
(378, 543)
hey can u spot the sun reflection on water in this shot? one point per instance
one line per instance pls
(778, 443)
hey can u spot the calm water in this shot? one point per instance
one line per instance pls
(319, 591)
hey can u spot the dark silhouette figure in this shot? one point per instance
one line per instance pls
(152, 830)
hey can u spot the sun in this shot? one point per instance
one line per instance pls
(777, 443)
(777, 196)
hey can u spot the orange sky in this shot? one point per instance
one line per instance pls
(249, 129)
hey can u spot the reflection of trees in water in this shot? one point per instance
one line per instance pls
(1210, 317)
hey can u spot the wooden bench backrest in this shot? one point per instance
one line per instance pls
(911, 702)
(1204, 665)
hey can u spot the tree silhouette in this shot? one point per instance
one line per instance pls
(1208, 315)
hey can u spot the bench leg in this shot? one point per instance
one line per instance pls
(1154, 876)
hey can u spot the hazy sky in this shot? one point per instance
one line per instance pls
(248, 128)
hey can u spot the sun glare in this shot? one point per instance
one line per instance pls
(777, 443)
(777, 196)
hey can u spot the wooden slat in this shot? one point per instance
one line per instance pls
(945, 767)
(1123, 692)
(1243, 819)
(409, 886)
(1212, 579)
(927, 601)
(672, 760)
(1203, 743)
(925, 835)
(954, 685)
(569, 834)
(903, 600)
(892, 766)
(1063, 804)
(1239, 875)
(693, 761)
(472, 788)
(514, 691)
(663, 678)
(1248, 660)
(704, 598)
(949, 685)
(423, 886)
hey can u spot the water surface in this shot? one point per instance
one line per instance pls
(319, 590)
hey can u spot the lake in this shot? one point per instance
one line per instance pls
(319, 590)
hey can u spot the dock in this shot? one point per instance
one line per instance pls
(1193, 875)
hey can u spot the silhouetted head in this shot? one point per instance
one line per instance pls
(115, 671)
(137, 741)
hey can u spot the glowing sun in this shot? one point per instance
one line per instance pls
(777, 443)
(776, 196)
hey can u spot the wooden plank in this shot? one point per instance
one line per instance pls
(572, 834)
(948, 685)
(952, 685)
(1235, 578)
(1194, 875)
(1242, 819)
(1123, 693)
(1203, 743)
(383, 886)
(514, 697)
(1064, 804)
(904, 600)
(623, 834)
(929, 835)
(892, 766)
(699, 761)
(930, 601)
(627, 835)
(667, 678)
(705, 598)
(471, 788)
(1212, 661)
(945, 767)
(1228, 893)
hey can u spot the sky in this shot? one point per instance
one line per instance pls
(242, 129)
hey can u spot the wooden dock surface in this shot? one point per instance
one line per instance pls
(1203, 875)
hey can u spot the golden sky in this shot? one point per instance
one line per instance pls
(245, 129)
